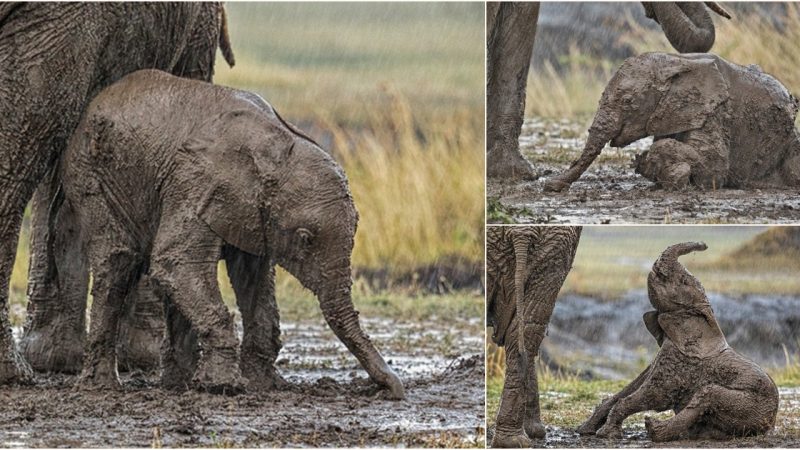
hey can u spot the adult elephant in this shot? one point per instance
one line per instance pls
(511, 28)
(55, 58)
(526, 267)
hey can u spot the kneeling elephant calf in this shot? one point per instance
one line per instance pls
(167, 176)
(714, 124)
(715, 392)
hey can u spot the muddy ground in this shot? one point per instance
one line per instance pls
(610, 191)
(785, 435)
(330, 401)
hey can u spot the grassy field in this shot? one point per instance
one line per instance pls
(398, 89)
(747, 39)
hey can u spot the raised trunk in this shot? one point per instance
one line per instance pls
(687, 25)
(605, 127)
(667, 264)
(342, 317)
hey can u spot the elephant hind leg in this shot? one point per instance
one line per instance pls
(509, 432)
(141, 329)
(180, 351)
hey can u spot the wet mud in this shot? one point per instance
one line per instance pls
(609, 192)
(785, 435)
(329, 400)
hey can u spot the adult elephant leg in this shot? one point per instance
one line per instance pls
(58, 280)
(141, 331)
(509, 432)
(511, 28)
(253, 281)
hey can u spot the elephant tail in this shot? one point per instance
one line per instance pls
(521, 257)
(224, 39)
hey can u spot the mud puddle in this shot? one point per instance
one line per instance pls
(610, 191)
(329, 402)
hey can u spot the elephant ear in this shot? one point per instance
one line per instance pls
(236, 158)
(694, 333)
(692, 89)
(651, 322)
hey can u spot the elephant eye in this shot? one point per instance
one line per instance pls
(303, 236)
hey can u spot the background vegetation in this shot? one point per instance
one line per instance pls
(396, 92)
(746, 39)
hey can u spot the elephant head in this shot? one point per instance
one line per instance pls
(683, 313)
(654, 94)
(687, 25)
(286, 199)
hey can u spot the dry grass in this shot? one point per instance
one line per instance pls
(749, 39)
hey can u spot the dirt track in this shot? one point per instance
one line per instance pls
(329, 402)
(610, 191)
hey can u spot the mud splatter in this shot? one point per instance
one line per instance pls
(610, 191)
(330, 400)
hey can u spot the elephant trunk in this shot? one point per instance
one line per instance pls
(605, 127)
(687, 25)
(337, 307)
(520, 276)
(667, 264)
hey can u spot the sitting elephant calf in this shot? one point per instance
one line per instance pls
(166, 177)
(714, 123)
(715, 392)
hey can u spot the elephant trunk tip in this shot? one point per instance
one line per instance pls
(667, 263)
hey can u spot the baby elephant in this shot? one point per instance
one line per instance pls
(715, 392)
(167, 176)
(715, 124)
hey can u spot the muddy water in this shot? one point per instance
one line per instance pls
(610, 191)
(786, 433)
(329, 400)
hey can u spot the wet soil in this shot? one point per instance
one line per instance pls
(610, 191)
(329, 400)
(785, 435)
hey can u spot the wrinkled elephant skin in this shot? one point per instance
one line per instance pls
(56, 57)
(167, 176)
(714, 124)
(715, 392)
(526, 267)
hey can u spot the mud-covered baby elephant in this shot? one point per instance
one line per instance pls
(167, 176)
(714, 124)
(715, 392)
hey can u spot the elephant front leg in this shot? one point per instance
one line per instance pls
(598, 417)
(58, 280)
(509, 428)
(668, 163)
(184, 270)
(180, 351)
(648, 396)
(253, 281)
(510, 35)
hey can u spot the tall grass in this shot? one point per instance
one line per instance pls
(746, 39)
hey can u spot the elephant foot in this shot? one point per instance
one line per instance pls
(609, 432)
(99, 374)
(174, 377)
(655, 429)
(586, 429)
(271, 381)
(50, 349)
(219, 374)
(14, 369)
(509, 164)
(534, 429)
(511, 440)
